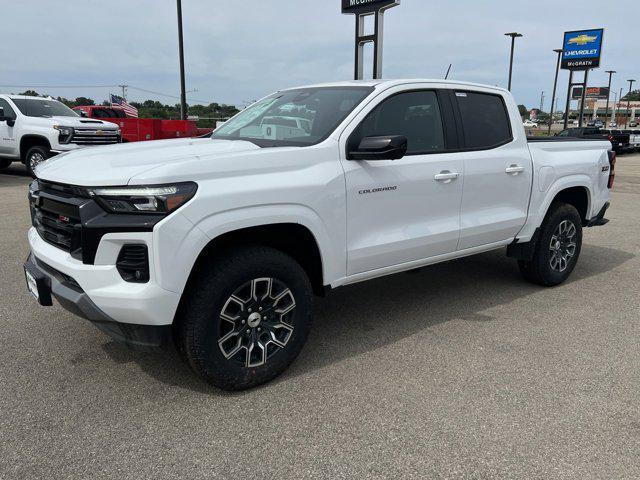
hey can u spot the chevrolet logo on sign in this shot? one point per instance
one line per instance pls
(582, 40)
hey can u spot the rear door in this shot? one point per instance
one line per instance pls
(497, 170)
(409, 209)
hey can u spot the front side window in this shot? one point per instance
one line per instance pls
(8, 111)
(33, 107)
(485, 120)
(300, 117)
(415, 115)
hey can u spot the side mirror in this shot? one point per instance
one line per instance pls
(10, 121)
(83, 114)
(389, 147)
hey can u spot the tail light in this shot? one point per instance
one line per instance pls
(612, 169)
(611, 138)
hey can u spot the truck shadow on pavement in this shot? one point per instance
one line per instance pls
(364, 317)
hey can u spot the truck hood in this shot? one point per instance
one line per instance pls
(75, 122)
(117, 164)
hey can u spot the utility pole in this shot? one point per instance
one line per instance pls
(513, 36)
(542, 101)
(606, 112)
(183, 93)
(626, 122)
(619, 103)
(555, 87)
(124, 91)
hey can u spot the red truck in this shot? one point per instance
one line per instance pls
(142, 129)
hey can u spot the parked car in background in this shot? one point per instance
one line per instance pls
(634, 139)
(32, 129)
(619, 140)
(633, 123)
(142, 129)
(220, 243)
(613, 125)
(530, 124)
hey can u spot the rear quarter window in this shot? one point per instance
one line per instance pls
(485, 120)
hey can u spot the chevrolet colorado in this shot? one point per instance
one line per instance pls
(33, 129)
(219, 244)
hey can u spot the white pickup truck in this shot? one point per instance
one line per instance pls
(220, 243)
(33, 129)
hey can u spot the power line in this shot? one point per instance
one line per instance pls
(107, 86)
(59, 86)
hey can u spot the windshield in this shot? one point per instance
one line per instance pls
(300, 117)
(33, 107)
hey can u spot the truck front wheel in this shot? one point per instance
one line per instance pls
(558, 249)
(246, 317)
(34, 157)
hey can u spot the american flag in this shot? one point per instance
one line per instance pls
(121, 102)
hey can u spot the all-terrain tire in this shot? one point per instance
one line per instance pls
(556, 253)
(203, 318)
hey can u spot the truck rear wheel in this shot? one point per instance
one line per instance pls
(558, 249)
(246, 317)
(34, 157)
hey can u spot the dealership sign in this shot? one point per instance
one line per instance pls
(367, 6)
(600, 93)
(582, 49)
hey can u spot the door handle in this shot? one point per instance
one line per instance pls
(446, 176)
(514, 170)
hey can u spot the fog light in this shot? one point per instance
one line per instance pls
(133, 263)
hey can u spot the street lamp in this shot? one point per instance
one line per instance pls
(606, 112)
(513, 36)
(626, 122)
(183, 93)
(555, 86)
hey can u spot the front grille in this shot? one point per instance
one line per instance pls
(56, 217)
(93, 136)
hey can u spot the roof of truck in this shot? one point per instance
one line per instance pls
(396, 82)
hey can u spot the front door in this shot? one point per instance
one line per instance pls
(409, 209)
(8, 145)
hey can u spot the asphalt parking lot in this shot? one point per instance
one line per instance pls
(461, 370)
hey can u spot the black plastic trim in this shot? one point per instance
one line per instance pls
(79, 303)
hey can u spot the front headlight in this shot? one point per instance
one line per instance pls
(65, 133)
(161, 199)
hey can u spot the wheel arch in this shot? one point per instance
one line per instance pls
(31, 140)
(294, 239)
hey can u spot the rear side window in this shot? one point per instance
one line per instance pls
(416, 115)
(485, 120)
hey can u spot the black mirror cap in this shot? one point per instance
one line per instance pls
(387, 147)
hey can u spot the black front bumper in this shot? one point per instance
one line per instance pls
(54, 284)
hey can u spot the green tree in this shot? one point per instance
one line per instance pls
(30, 93)
(634, 96)
(524, 111)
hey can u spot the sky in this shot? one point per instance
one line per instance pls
(237, 51)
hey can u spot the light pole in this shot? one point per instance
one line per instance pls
(626, 122)
(513, 36)
(183, 93)
(606, 112)
(555, 87)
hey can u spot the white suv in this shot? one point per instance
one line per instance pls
(32, 129)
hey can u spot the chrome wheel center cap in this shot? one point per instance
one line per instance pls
(254, 319)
